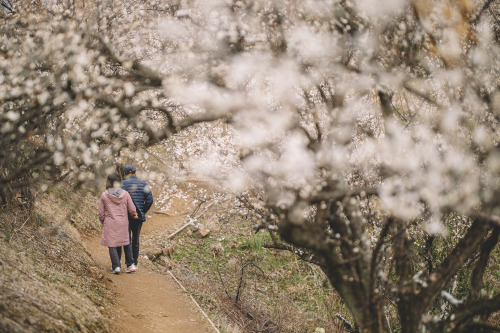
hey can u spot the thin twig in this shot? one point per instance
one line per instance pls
(223, 284)
(241, 279)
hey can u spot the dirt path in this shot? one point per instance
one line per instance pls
(149, 301)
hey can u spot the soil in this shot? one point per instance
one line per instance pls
(147, 300)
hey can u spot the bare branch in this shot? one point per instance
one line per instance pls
(483, 307)
(150, 77)
(485, 7)
(202, 118)
(243, 267)
(480, 266)
(339, 195)
(449, 267)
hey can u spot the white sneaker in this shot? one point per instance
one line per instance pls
(130, 269)
(116, 270)
(134, 267)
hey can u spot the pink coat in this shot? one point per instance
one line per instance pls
(113, 214)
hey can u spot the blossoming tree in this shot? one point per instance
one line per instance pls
(366, 132)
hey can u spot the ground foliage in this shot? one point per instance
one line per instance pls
(49, 283)
(363, 137)
(244, 286)
(247, 285)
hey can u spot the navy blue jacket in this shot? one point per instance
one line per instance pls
(141, 195)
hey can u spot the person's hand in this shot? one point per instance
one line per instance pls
(135, 217)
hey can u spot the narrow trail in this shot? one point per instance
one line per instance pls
(148, 301)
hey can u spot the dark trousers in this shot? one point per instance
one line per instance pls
(134, 229)
(115, 253)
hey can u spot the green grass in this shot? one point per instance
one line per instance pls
(276, 284)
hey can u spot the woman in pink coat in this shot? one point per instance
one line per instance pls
(114, 206)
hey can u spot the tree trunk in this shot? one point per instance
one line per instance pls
(409, 310)
(369, 316)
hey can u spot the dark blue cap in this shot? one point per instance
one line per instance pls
(129, 168)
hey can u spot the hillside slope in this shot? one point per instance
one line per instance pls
(48, 281)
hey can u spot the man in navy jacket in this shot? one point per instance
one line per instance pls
(143, 200)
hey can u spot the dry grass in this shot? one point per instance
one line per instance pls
(48, 282)
(77, 207)
(276, 293)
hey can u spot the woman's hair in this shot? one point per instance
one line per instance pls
(113, 180)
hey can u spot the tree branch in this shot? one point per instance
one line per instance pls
(453, 262)
(470, 309)
(303, 255)
(480, 266)
(485, 7)
(339, 195)
(202, 118)
(245, 265)
(375, 252)
(150, 76)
